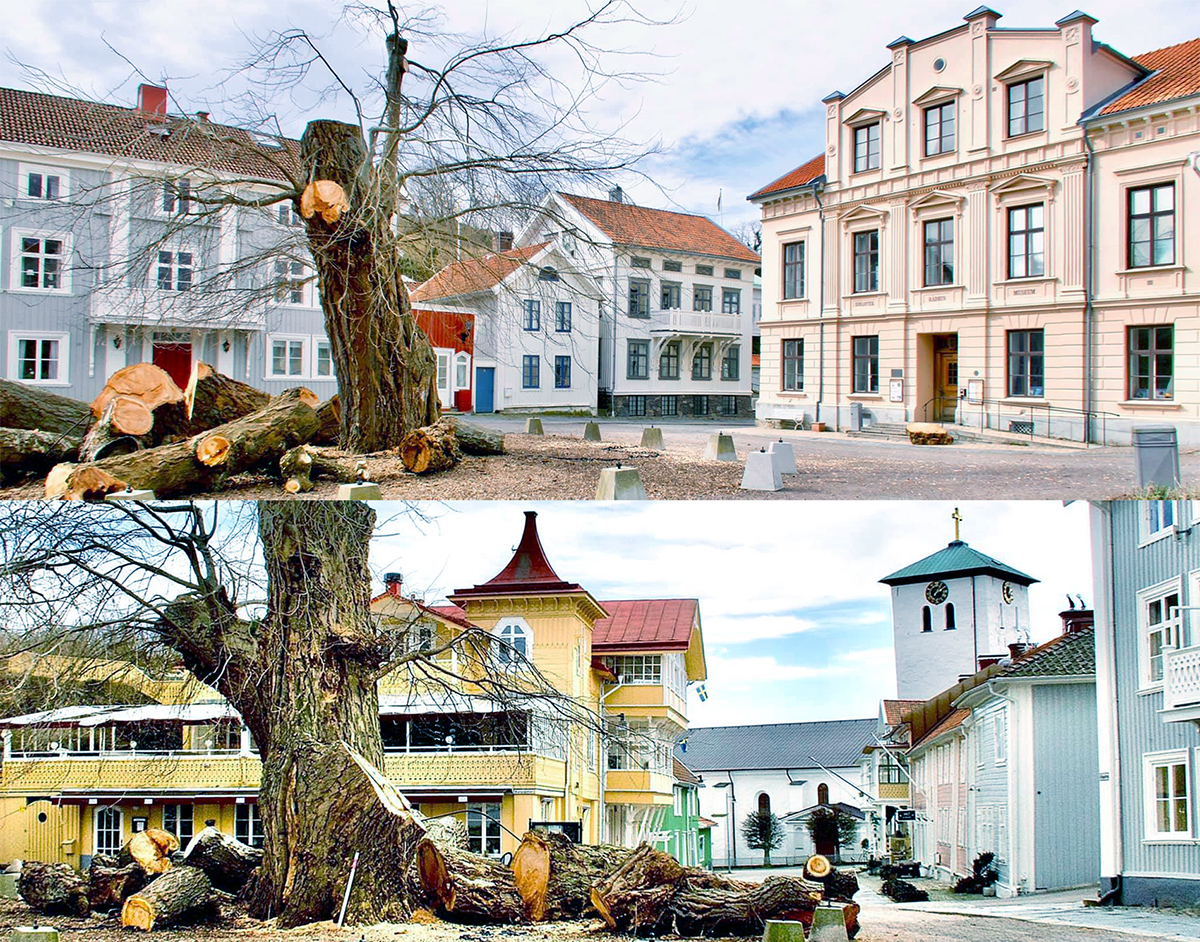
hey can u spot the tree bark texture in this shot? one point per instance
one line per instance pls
(204, 462)
(386, 367)
(329, 414)
(212, 399)
(431, 449)
(468, 887)
(475, 439)
(226, 861)
(555, 876)
(53, 889)
(301, 465)
(26, 451)
(109, 887)
(179, 894)
(31, 407)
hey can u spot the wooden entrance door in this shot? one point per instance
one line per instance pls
(945, 372)
(176, 358)
(44, 831)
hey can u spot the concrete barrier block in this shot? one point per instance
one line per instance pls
(782, 930)
(591, 432)
(652, 437)
(720, 447)
(533, 426)
(620, 484)
(762, 473)
(829, 925)
(141, 493)
(364, 490)
(34, 934)
(8, 885)
(784, 455)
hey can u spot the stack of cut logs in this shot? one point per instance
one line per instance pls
(640, 891)
(151, 882)
(143, 432)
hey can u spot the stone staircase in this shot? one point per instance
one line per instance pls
(887, 431)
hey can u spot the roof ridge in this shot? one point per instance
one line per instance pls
(865, 719)
(1150, 52)
(652, 209)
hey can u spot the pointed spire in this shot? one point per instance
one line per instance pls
(527, 571)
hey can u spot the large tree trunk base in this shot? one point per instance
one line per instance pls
(109, 887)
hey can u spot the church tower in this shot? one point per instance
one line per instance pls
(952, 613)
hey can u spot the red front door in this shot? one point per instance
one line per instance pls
(176, 359)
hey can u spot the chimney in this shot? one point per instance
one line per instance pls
(1017, 649)
(616, 195)
(202, 117)
(504, 241)
(988, 661)
(152, 99)
(1077, 619)
(393, 581)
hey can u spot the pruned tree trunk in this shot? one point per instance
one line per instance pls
(26, 451)
(329, 415)
(554, 876)
(109, 887)
(431, 449)
(179, 894)
(468, 887)
(151, 848)
(301, 465)
(53, 889)
(123, 428)
(226, 860)
(386, 368)
(32, 407)
(475, 439)
(212, 398)
(201, 463)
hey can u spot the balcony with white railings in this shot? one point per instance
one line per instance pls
(1181, 685)
(696, 323)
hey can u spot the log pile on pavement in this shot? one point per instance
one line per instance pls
(928, 433)
(441, 446)
(554, 876)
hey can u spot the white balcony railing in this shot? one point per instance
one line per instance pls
(697, 322)
(1181, 678)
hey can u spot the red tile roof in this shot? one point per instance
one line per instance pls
(805, 173)
(527, 571)
(660, 624)
(71, 124)
(894, 710)
(952, 721)
(474, 274)
(627, 224)
(449, 612)
(1176, 74)
(684, 774)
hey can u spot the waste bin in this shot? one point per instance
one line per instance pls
(856, 416)
(1156, 451)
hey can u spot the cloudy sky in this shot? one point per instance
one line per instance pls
(733, 94)
(796, 624)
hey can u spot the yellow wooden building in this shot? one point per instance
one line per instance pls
(78, 780)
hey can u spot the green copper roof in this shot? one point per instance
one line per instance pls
(957, 559)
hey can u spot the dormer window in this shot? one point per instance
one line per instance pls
(548, 274)
(516, 642)
(866, 147)
(1027, 106)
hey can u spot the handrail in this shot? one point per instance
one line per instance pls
(1032, 408)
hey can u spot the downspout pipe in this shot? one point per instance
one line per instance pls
(1089, 267)
(818, 187)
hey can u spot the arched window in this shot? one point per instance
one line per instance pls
(518, 642)
(950, 625)
(764, 802)
(926, 619)
(822, 794)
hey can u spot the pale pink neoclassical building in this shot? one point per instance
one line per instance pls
(997, 233)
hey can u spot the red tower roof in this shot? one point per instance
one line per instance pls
(528, 570)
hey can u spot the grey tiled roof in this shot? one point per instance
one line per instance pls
(1070, 655)
(831, 743)
(957, 559)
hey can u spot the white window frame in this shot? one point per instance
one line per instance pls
(1169, 627)
(254, 826)
(1000, 732)
(120, 829)
(318, 343)
(638, 669)
(174, 248)
(509, 630)
(287, 281)
(1151, 762)
(1152, 515)
(489, 827)
(306, 356)
(177, 809)
(64, 281)
(462, 361)
(175, 183)
(64, 356)
(25, 169)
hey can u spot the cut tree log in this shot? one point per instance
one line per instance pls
(151, 848)
(299, 466)
(429, 449)
(201, 463)
(475, 439)
(468, 887)
(153, 387)
(928, 433)
(554, 876)
(109, 887)
(212, 399)
(227, 862)
(123, 428)
(53, 889)
(637, 893)
(28, 451)
(329, 414)
(31, 407)
(182, 893)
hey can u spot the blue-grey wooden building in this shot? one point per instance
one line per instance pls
(1147, 571)
(111, 252)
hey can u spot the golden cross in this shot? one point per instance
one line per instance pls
(957, 518)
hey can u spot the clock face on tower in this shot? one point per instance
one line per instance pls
(1006, 593)
(937, 592)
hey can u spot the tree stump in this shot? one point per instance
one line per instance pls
(554, 876)
(928, 433)
(212, 399)
(468, 887)
(109, 887)
(151, 849)
(153, 387)
(226, 861)
(182, 893)
(475, 439)
(430, 449)
(31, 407)
(53, 889)
(28, 451)
(123, 428)
(299, 466)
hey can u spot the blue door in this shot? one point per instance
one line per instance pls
(485, 389)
